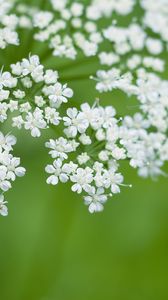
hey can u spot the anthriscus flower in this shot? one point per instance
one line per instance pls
(121, 50)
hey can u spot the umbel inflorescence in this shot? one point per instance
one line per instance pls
(91, 139)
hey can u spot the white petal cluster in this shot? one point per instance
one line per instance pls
(9, 168)
(108, 58)
(148, 62)
(8, 24)
(145, 135)
(94, 139)
(156, 16)
(33, 94)
(72, 26)
(69, 27)
(112, 79)
(126, 39)
(146, 150)
(99, 9)
(88, 155)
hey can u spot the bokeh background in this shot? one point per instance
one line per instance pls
(51, 247)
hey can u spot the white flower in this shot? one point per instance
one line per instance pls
(4, 95)
(8, 36)
(16, 69)
(100, 134)
(104, 155)
(50, 77)
(134, 61)
(85, 139)
(57, 171)
(39, 100)
(58, 94)
(7, 142)
(82, 179)
(137, 121)
(42, 19)
(91, 114)
(25, 107)
(118, 153)
(75, 121)
(154, 46)
(156, 64)
(10, 21)
(70, 168)
(108, 59)
(113, 180)
(12, 167)
(59, 5)
(95, 200)
(52, 116)
(6, 80)
(13, 105)
(17, 122)
(112, 79)
(32, 66)
(34, 122)
(19, 94)
(77, 9)
(60, 148)
(27, 82)
(89, 48)
(83, 158)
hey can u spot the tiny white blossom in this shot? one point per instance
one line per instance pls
(82, 179)
(95, 200)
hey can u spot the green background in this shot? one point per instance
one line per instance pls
(51, 247)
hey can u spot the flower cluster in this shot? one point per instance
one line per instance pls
(112, 79)
(8, 24)
(9, 168)
(34, 94)
(132, 38)
(156, 16)
(144, 135)
(93, 139)
(147, 150)
(151, 92)
(88, 155)
(69, 27)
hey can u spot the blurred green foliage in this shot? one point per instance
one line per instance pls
(51, 247)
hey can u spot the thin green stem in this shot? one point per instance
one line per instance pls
(75, 78)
